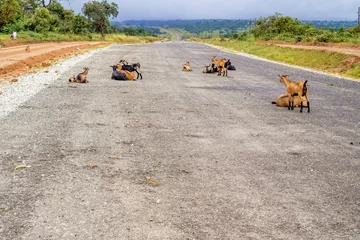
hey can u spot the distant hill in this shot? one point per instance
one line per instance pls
(198, 26)
(215, 27)
(192, 26)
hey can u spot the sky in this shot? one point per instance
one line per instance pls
(337, 10)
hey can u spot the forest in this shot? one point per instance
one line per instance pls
(40, 16)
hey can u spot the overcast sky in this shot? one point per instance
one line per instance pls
(230, 9)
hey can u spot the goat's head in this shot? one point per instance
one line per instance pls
(86, 70)
(72, 79)
(283, 77)
(113, 67)
(213, 59)
(123, 62)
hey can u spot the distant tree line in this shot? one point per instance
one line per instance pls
(285, 28)
(44, 16)
(275, 27)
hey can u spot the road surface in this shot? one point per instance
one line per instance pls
(181, 155)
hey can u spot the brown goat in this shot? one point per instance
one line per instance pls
(186, 67)
(81, 77)
(283, 101)
(221, 65)
(129, 75)
(299, 89)
(27, 49)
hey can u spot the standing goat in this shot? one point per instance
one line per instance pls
(296, 89)
(221, 65)
(81, 77)
(135, 67)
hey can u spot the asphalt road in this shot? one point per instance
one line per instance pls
(182, 155)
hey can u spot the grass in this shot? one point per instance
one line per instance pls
(27, 37)
(331, 62)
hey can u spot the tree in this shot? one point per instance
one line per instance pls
(41, 20)
(9, 10)
(99, 12)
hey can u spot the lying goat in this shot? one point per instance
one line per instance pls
(298, 89)
(135, 67)
(186, 67)
(229, 66)
(120, 74)
(117, 75)
(81, 77)
(210, 69)
(283, 101)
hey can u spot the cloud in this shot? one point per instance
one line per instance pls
(231, 9)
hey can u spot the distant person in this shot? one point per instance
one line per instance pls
(13, 35)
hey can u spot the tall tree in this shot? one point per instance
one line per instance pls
(9, 10)
(99, 12)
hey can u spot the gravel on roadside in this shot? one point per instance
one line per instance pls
(15, 93)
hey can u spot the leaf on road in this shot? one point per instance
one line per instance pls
(21, 167)
(152, 181)
(92, 165)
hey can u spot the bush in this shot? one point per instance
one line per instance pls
(325, 37)
(243, 36)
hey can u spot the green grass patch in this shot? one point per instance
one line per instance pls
(28, 37)
(326, 61)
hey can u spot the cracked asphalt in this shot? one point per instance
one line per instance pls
(181, 155)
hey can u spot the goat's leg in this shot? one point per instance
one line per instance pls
(289, 97)
(308, 103)
(138, 74)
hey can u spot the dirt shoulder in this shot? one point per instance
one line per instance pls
(14, 60)
(332, 47)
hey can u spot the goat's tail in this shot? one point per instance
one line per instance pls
(305, 88)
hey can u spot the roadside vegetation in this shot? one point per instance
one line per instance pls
(331, 62)
(286, 29)
(40, 20)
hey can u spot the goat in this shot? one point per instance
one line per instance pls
(81, 77)
(283, 101)
(210, 69)
(117, 75)
(296, 89)
(221, 65)
(135, 67)
(120, 74)
(27, 49)
(129, 75)
(186, 67)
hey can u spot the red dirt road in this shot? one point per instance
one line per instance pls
(14, 60)
(9, 55)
